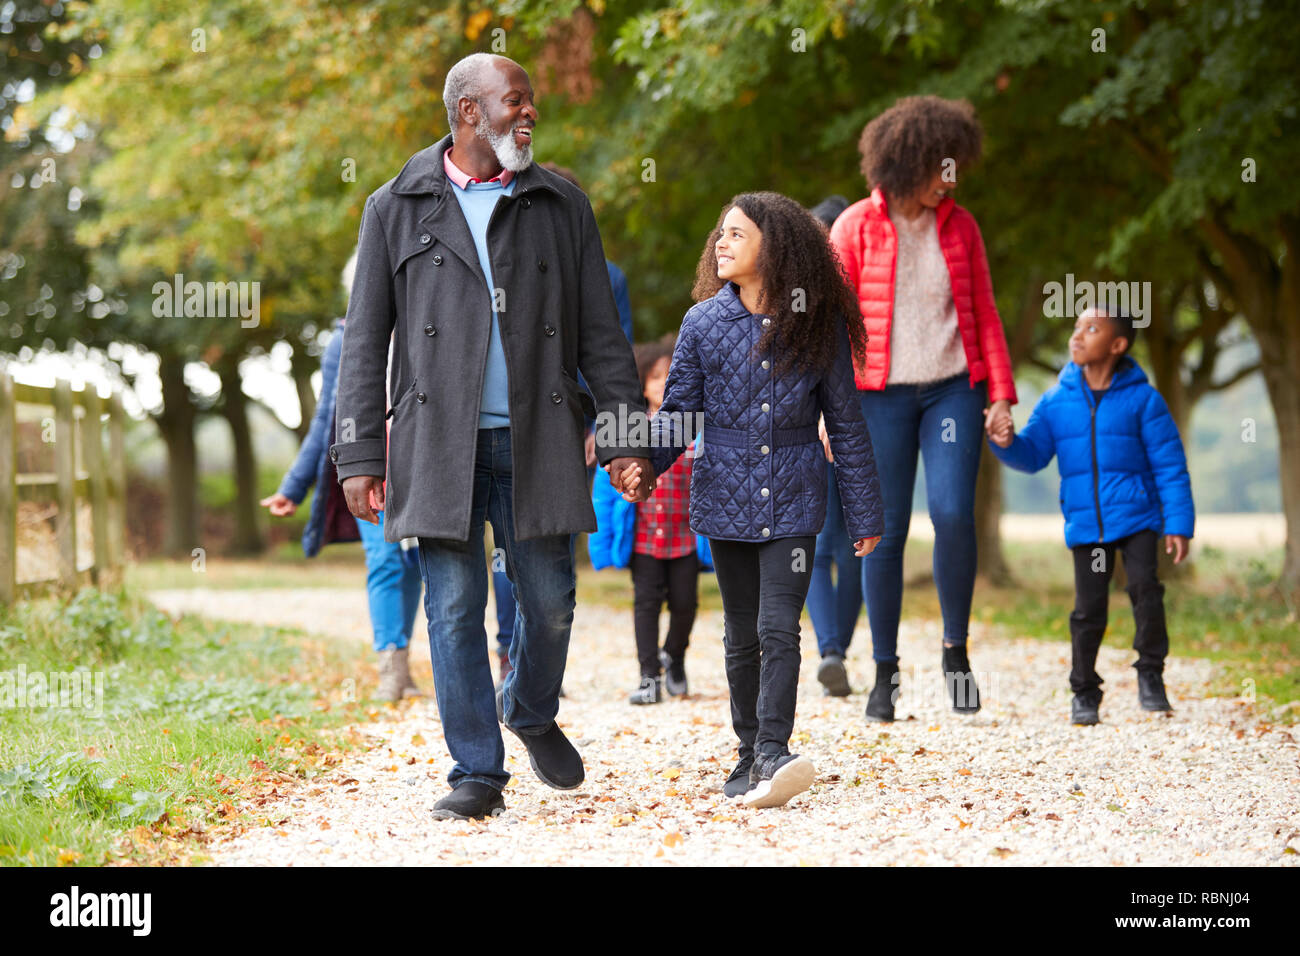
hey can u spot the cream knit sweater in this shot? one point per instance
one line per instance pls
(924, 338)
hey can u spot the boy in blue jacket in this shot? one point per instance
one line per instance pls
(1124, 482)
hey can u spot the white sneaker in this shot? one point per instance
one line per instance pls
(777, 779)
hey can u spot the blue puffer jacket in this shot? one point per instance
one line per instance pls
(610, 545)
(761, 474)
(1121, 460)
(329, 520)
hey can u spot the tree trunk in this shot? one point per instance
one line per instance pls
(1280, 358)
(302, 366)
(234, 408)
(176, 425)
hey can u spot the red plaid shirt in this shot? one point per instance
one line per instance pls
(663, 528)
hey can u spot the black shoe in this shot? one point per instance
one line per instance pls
(556, 762)
(470, 801)
(647, 693)
(739, 783)
(880, 705)
(674, 674)
(833, 677)
(1085, 709)
(777, 778)
(957, 675)
(1151, 691)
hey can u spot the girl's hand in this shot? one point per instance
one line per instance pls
(1176, 544)
(864, 546)
(279, 505)
(826, 439)
(631, 481)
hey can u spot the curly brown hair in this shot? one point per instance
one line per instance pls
(905, 146)
(649, 354)
(794, 256)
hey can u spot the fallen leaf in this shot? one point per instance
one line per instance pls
(673, 839)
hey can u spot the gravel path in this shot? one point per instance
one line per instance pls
(1014, 785)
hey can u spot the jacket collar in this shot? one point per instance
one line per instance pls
(728, 302)
(1127, 372)
(423, 174)
(880, 206)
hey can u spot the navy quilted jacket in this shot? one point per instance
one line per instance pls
(760, 472)
(1121, 461)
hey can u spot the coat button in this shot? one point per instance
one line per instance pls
(549, 329)
(419, 397)
(766, 364)
(765, 449)
(425, 238)
(764, 492)
(437, 259)
(555, 398)
(766, 407)
(334, 454)
(766, 532)
(526, 202)
(430, 330)
(767, 321)
(541, 264)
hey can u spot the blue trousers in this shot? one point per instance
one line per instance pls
(392, 586)
(944, 421)
(834, 606)
(455, 602)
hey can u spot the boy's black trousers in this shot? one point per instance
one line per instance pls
(1093, 566)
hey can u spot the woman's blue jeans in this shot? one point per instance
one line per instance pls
(834, 606)
(944, 421)
(392, 586)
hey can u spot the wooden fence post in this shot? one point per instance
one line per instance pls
(116, 485)
(92, 455)
(8, 490)
(65, 463)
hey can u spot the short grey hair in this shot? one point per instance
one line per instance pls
(465, 79)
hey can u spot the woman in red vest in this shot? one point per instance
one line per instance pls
(937, 370)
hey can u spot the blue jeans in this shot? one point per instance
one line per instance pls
(455, 602)
(392, 586)
(834, 607)
(504, 592)
(945, 421)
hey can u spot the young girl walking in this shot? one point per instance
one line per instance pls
(767, 349)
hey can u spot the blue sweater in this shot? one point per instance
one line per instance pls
(1121, 461)
(477, 200)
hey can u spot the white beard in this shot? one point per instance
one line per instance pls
(509, 154)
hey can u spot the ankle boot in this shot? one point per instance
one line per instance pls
(880, 704)
(960, 680)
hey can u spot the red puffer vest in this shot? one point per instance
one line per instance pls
(867, 245)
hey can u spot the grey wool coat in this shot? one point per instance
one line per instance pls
(418, 280)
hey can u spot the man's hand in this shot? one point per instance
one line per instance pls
(1176, 544)
(364, 495)
(633, 478)
(280, 505)
(864, 546)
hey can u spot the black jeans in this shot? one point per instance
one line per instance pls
(763, 587)
(1093, 566)
(654, 581)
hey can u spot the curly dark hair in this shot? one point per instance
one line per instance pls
(905, 146)
(794, 256)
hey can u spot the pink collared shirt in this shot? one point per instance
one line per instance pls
(463, 179)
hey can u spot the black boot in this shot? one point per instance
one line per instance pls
(880, 705)
(957, 675)
(1085, 708)
(1151, 691)
(470, 801)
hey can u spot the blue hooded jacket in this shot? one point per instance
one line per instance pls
(1122, 464)
(610, 545)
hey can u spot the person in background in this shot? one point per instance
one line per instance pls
(654, 539)
(833, 606)
(392, 573)
(936, 358)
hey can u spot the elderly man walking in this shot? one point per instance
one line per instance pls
(489, 274)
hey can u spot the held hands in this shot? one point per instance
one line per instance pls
(998, 423)
(1176, 544)
(864, 546)
(625, 475)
